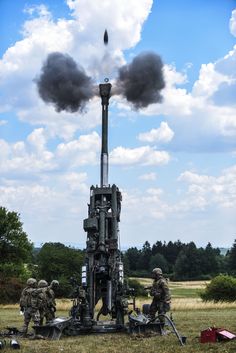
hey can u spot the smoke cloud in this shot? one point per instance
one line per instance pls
(141, 81)
(64, 84)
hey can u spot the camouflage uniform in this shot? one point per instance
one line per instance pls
(42, 295)
(29, 304)
(51, 302)
(161, 295)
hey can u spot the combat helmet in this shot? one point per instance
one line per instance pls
(31, 282)
(42, 283)
(54, 283)
(157, 271)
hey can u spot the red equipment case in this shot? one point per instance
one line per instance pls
(209, 335)
(213, 334)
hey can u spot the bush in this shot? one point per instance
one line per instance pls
(140, 273)
(12, 270)
(10, 291)
(138, 288)
(221, 288)
(65, 288)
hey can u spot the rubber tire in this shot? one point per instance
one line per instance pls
(146, 309)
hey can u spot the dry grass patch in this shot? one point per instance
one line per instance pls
(182, 284)
(9, 306)
(177, 304)
(189, 304)
(198, 304)
(189, 284)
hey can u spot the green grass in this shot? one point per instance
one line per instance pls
(188, 322)
(190, 317)
(185, 292)
(180, 289)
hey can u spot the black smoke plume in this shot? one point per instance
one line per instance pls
(141, 81)
(64, 83)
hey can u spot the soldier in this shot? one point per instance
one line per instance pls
(51, 302)
(161, 295)
(29, 304)
(42, 295)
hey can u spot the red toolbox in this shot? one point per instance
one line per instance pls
(209, 335)
(213, 334)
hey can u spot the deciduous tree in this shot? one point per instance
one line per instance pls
(60, 262)
(232, 258)
(15, 247)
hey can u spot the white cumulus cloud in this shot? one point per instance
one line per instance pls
(210, 190)
(21, 157)
(232, 23)
(144, 155)
(163, 134)
(81, 151)
(119, 17)
(209, 81)
(33, 156)
(148, 176)
(3, 122)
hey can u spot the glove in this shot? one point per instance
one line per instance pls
(153, 292)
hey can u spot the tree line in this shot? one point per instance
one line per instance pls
(179, 261)
(19, 260)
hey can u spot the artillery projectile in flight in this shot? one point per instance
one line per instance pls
(105, 38)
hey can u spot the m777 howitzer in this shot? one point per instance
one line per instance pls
(102, 272)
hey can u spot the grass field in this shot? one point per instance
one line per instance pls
(180, 289)
(190, 315)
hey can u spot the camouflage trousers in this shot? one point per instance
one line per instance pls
(41, 316)
(50, 314)
(160, 307)
(47, 313)
(30, 314)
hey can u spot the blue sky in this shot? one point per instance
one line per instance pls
(174, 162)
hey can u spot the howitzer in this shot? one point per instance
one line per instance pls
(102, 272)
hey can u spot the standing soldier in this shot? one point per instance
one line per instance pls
(161, 295)
(51, 302)
(42, 295)
(29, 304)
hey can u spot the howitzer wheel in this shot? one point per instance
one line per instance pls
(146, 309)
